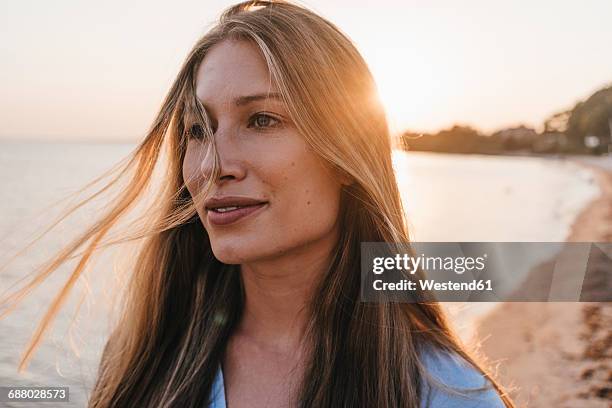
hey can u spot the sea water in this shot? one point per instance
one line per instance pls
(446, 198)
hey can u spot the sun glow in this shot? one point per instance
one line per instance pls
(408, 90)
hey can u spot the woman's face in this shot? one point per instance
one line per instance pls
(287, 198)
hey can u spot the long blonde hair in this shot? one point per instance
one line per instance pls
(166, 348)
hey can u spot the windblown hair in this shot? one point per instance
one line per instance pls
(182, 303)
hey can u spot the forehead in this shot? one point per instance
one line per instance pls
(231, 69)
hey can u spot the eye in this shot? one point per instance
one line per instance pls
(262, 120)
(196, 131)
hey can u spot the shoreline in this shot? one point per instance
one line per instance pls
(557, 354)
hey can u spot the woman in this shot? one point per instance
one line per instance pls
(246, 290)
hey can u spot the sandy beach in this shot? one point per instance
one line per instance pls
(558, 354)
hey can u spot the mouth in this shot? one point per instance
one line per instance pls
(229, 210)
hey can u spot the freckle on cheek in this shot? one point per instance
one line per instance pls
(307, 202)
(293, 163)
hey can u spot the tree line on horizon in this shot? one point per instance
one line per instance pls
(586, 128)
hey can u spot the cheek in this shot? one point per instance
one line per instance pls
(320, 205)
(309, 198)
(192, 174)
(189, 171)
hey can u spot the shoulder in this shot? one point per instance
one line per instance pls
(451, 381)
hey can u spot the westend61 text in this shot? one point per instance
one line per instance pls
(430, 284)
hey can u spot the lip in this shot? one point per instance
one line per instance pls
(226, 201)
(248, 206)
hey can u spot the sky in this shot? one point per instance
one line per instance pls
(83, 70)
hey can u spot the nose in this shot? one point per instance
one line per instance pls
(228, 154)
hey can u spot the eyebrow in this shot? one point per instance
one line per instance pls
(246, 99)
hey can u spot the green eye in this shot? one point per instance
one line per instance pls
(262, 120)
(196, 131)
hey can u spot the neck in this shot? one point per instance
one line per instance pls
(278, 292)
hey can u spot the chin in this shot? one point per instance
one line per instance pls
(231, 252)
(228, 254)
(235, 251)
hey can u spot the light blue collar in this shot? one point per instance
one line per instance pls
(218, 391)
(450, 369)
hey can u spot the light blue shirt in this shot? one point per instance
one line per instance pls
(451, 370)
